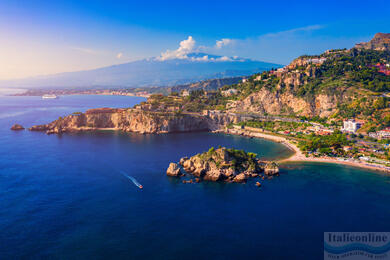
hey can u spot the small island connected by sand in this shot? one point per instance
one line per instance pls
(223, 164)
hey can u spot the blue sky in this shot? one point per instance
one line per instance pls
(44, 37)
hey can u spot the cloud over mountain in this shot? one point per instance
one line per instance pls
(186, 47)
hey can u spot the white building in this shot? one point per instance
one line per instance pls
(373, 135)
(384, 134)
(258, 78)
(316, 60)
(229, 92)
(185, 93)
(351, 125)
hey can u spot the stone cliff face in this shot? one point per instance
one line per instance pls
(380, 42)
(285, 102)
(129, 120)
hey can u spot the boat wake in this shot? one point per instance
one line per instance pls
(136, 183)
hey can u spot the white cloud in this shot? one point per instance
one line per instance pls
(119, 55)
(305, 29)
(204, 58)
(224, 58)
(223, 42)
(186, 47)
(278, 47)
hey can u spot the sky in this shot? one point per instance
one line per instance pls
(46, 37)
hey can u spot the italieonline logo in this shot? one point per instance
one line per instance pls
(357, 245)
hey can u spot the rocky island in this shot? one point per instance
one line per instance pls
(223, 164)
(17, 127)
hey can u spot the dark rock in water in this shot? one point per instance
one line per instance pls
(17, 127)
(173, 170)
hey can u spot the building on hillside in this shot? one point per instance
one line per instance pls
(258, 78)
(383, 68)
(229, 92)
(316, 60)
(244, 80)
(210, 93)
(351, 125)
(185, 93)
(373, 135)
(384, 134)
(347, 148)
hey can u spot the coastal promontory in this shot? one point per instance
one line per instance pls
(128, 120)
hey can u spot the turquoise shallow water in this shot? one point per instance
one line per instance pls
(65, 197)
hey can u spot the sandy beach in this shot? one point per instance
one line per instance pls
(298, 156)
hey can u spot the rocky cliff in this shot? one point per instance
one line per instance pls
(280, 102)
(380, 42)
(129, 120)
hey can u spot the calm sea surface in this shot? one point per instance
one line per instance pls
(65, 197)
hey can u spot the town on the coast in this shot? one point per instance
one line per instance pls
(332, 107)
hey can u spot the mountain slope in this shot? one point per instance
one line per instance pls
(380, 42)
(149, 72)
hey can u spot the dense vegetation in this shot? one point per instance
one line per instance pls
(274, 126)
(357, 67)
(328, 144)
(238, 159)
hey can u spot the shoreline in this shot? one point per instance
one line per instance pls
(81, 94)
(298, 156)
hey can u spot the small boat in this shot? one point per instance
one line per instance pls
(49, 96)
(140, 186)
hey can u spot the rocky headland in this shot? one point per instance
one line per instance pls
(223, 164)
(128, 120)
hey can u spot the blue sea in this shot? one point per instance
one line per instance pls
(65, 197)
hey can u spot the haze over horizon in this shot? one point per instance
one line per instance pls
(48, 37)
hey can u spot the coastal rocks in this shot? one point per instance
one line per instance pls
(271, 169)
(213, 175)
(223, 164)
(173, 170)
(182, 160)
(240, 178)
(17, 127)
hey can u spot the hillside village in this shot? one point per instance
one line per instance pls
(334, 104)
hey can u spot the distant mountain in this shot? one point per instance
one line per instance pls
(149, 72)
(380, 42)
(210, 84)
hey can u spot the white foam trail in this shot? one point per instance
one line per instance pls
(12, 114)
(136, 183)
